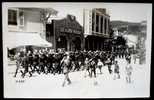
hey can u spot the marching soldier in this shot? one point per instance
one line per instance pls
(25, 64)
(108, 62)
(77, 67)
(116, 70)
(59, 57)
(86, 65)
(66, 63)
(92, 67)
(50, 61)
(100, 65)
(41, 62)
(36, 62)
(30, 61)
(18, 58)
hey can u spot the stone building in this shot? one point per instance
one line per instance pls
(96, 29)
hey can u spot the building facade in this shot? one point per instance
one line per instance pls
(27, 20)
(66, 34)
(28, 23)
(142, 42)
(96, 29)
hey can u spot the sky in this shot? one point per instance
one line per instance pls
(117, 11)
(132, 12)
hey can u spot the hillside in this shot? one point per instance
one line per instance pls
(130, 27)
(117, 23)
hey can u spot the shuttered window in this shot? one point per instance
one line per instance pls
(12, 17)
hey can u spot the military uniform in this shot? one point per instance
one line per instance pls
(18, 58)
(66, 68)
(128, 72)
(36, 63)
(109, 65)
(93, 67)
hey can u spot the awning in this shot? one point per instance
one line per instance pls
(17, 39)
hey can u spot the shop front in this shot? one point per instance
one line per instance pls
(67, 34)
(69, 40)
(93, 42)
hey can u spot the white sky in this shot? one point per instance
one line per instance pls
(133, 12)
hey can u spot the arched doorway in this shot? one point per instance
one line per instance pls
(62, 42)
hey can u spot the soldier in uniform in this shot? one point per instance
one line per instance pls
(25, 64)
(66, 63)
(77, 67)
(108, 62)
(86, 65)
(100, 65)
(81, 60)
(36, 62)
(45, 61)
(72, 56)
(59, 58)
(30, 61)
(50, 61)
(92, 67)
(41, 62)
(116, 70)
(56, 62)
(18, 58)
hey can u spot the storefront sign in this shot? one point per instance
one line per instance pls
(69, 30)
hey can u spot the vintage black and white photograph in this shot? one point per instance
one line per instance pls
(76, 50)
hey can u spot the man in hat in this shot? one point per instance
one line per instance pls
(66, 63)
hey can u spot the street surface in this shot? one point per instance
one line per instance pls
(50, 86)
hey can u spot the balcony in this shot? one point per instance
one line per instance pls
(100, 34)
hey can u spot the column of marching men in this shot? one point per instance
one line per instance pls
(46, 61)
